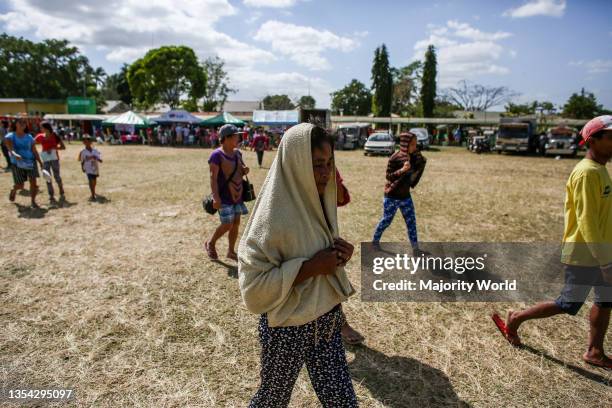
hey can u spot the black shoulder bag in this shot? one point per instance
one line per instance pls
(248, 190)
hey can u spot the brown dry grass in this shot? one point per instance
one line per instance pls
(118, 300)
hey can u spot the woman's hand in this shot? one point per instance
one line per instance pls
(216, 203)
(324, 261)
(406, 166)
(245, 170)
(344, 249)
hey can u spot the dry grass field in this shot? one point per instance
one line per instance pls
(117, 299)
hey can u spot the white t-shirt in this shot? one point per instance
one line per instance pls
(185, 132)
(89, 164)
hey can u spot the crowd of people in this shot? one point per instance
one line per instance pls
(183, 135)
(26, 163)
(296, 282)
(291, 256)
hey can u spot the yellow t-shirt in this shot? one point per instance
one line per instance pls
(587, 240)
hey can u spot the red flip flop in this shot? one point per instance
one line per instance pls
(503, 329)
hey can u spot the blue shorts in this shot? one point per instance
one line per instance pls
(579, 280)
(228, 212)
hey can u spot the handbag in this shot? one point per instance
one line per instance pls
(248, 190)
(207, 203)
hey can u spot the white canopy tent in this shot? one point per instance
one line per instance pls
(177, 116)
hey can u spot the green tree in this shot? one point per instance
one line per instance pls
(548, 108)
(445, 109)
(516, 109)
(99, 76)
(307, 102)
(165, 75)
(382, 83)
(51, 69)
(109, 89)
(190, 105)
(428, 82)
(217, 84)
(354, 99)
(123, 86)
(278, 102)
(406, 82)
(582, 106)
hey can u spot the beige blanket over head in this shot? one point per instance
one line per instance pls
(286, 228)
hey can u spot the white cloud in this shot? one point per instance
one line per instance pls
(270, 3)
(254, 17)
(126, 29)
(123, 30)
(464, 30)
(548, 8)
(303, 45)
(464, 52)
(597, 66)
(254, 85)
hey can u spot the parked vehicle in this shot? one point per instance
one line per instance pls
(422, 137)
(560, 141)
(352, 135)
(517, 135)
(472, 135)
(379, 143)
(491, 136)
(482, 145)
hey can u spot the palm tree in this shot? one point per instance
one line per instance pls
(99, 76)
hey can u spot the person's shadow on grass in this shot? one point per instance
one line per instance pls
(232, 270)
(397, 381)
(100, 199)
(578, 370)
(61, 203)
(30, 212)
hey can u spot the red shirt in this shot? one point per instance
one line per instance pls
(260, 143)
(49, 143)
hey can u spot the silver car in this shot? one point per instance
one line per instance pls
(379, 143)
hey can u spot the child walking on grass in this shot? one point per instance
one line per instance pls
(89, 158)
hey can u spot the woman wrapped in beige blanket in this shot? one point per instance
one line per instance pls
(291, 272)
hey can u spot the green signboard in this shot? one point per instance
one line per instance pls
(79, 104)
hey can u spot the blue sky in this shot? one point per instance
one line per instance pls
(543, 49)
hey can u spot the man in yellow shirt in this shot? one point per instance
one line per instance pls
(587, 246)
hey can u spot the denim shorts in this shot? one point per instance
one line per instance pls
(579, 280)
(228, 212)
